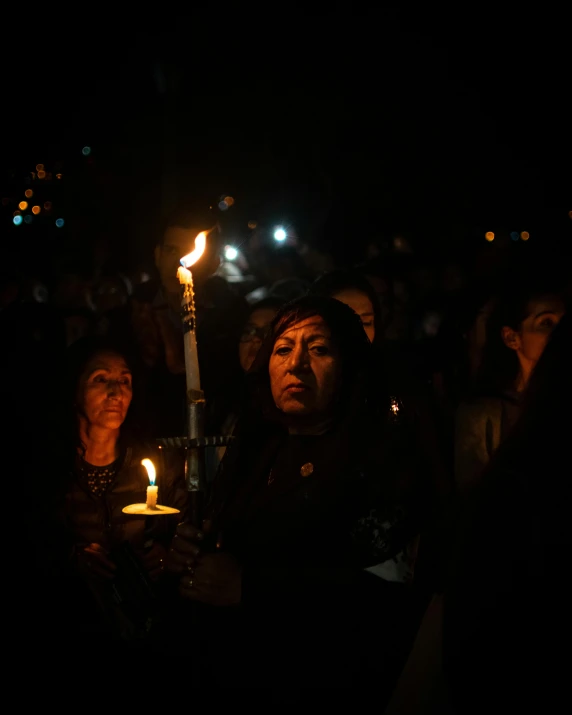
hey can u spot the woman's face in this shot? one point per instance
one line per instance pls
(252, 335)
(360, 303)
(531, 338)
(305, 369)
(105, 391)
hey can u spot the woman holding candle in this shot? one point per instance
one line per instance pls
(106, 474)
(319, 503)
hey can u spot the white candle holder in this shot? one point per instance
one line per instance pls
(143, 509)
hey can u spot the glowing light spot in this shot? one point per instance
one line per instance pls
(28, 218)
(223, 205)
(23, 205)
(17, 220)
(252, 224)
(39, 167)
(47, 205)
(489, 235)
(229, 200)
(41, 174)
(58, 176)
(280, 235)
(230, 253)
(36, 210)
(59, 222)
(28, 193)
(525, 235)
(86, 151)
(514, 236)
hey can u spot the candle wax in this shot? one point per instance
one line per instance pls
(152, 496)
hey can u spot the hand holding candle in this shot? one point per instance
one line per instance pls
(151, 489)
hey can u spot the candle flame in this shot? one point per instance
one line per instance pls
(150, 467)
(197, 252)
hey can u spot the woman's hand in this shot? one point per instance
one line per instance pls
(213, 578)
(153, 560)
(95, 560)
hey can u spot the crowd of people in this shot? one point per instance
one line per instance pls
(389, 509)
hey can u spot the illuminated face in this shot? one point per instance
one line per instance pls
(531, 338)
(305, 369)
(252, 335)
(360, 303)
(105, 391)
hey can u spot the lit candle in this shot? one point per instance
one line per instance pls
(188, 311)
(151, 489)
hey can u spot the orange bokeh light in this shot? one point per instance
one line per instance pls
(36, 210)
(28, 193)
(489, 235)
(525, 235)
(41, 174)
(23, 205)
(58, 176)
(39, 167)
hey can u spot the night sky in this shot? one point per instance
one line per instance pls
(349, 128)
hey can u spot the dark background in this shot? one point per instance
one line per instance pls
(348, 127)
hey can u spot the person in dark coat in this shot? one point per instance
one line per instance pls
(318, 509)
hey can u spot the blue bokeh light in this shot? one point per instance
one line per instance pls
(280, 235)
(17, 220)
(60, 222)
(28, 218)
(86, 151)
(230, 253)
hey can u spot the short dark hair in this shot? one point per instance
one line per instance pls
(191, 216)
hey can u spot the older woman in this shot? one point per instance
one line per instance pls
(113, 554)
(317, 507)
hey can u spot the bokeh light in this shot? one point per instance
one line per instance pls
(59, 222)
(23, 205)
(36, 210)
(39, 167)
(28, 193)
(252, 224)
(86, 151)
(525, 235)
(514, 235)
(28, 218)
(222, 205)
(47, 205)
(228, 200)
(16, 213)
(279, 234)
(230, 253)
(58, 176)
(489, 235)
(17, 220)
(41, 174)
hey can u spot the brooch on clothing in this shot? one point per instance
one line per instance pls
(305, 471)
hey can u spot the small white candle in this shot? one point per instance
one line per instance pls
(151, 489)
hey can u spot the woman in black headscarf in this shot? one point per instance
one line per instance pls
(318, 507)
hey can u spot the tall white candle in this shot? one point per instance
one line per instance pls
(151, 489)
(188, 308)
